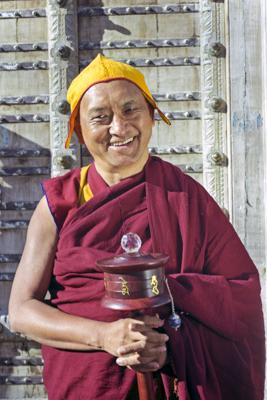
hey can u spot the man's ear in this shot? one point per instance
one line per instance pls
(153, 116)
(78, 128)
(151, 111)
(77, 125)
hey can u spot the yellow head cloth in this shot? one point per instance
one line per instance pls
(103, 69)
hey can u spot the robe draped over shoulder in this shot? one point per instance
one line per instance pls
(218, 353)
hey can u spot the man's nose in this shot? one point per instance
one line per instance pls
(118, 125)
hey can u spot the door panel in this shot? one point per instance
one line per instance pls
(24, 163)
(171, 46)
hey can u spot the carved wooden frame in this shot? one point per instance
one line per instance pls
(63, 67)
(214, 106)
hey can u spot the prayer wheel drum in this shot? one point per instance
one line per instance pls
(135, 282)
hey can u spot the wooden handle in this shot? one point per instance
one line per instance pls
(145, 386)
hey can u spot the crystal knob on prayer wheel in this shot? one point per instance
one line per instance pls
(134, 280)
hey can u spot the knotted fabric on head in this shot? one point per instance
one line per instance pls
(103, 69)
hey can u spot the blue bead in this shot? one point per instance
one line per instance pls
(175, 321)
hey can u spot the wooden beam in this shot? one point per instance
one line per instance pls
(246, 117)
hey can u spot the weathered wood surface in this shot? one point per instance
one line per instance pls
(264, 151)
(247, 125)
(264, 105)
(19, 188)
(22, 4)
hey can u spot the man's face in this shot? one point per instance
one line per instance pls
(116, 124)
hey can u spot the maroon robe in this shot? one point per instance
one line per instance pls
(218, 353)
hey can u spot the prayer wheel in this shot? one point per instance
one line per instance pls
(135, 282)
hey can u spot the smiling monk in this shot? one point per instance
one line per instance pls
(218, 352)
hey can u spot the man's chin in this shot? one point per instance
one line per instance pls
(124, 163)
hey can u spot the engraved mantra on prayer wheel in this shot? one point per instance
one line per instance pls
(133, 280)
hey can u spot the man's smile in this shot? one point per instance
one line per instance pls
(121, 143)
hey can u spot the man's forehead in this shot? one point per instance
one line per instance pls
(103, 92)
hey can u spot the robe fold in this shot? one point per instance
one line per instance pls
(218, 353)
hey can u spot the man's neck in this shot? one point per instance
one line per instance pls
(115, 175)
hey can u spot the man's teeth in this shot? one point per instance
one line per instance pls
(116, 144)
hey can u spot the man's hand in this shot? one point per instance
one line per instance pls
(136, 343)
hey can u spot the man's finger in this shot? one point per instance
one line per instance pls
(150, 333)
(129, 360)
(141, 343)
(132, 347)
(153, 351)
(153, 366)
(156, 338)
(151, 321)
(134, 360)
(149, 352)
(137, 336)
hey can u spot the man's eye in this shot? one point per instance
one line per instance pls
(129, 110)
(101, 117)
